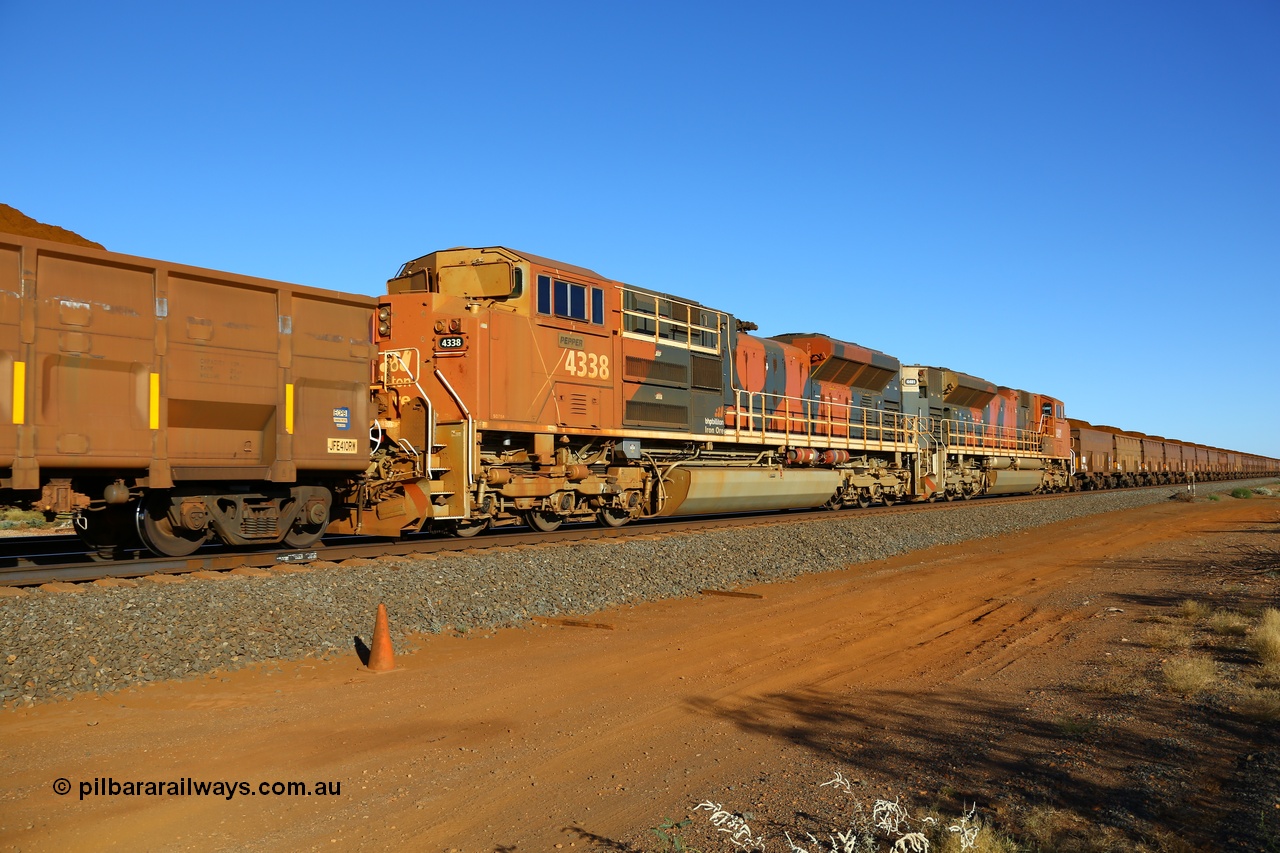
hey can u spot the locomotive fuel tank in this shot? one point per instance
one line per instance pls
(698, 491)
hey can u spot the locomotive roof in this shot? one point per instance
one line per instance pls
(417, 262)
(554, 264)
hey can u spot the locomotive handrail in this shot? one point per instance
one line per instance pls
(967, 435)
(471, 427)
(675, 326)
(794, 417)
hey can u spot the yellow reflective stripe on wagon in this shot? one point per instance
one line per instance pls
(288, 408)
(153, 410)
(19, 392)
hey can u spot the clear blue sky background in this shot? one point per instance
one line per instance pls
(1078, 198)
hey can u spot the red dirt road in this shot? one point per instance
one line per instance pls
(584, 737)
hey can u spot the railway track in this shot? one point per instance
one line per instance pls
(34, 560)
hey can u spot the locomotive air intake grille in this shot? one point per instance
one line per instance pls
(657, 413)
(707, 373)
(646, 369)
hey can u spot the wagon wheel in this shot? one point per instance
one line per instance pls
(106, 531)
(304, 536)
(612, 517)
(948, 496)
(307, 529)
(543, 522)
(310, 523)
(965, 494)
(157, 531)
(864, 499)
(467, 529)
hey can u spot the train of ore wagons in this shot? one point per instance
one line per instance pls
(178, 406)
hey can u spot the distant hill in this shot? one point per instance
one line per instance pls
(14, 221)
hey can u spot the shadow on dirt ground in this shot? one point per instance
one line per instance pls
(1112, 752)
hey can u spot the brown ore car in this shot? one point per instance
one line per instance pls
(177, 403)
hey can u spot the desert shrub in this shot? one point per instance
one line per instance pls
(1215, 497)
(1228, 623)
(1049, 829)
(1265, 640)
(1193, 610)
(1168, 637)
(1241, 493)
(13, 518)
(1190, 674)
(1260, 703)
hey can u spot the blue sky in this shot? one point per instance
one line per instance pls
(1081, 199)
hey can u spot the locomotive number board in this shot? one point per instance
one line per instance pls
(586, 365)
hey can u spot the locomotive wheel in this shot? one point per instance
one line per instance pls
(543, 522)
(158, 533)
(611, 517)
(467, 529)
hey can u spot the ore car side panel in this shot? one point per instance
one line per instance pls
(332, 350)
(159, 372)
(224, 412)
(95, 351)
(13, 367)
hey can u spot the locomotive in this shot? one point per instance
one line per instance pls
(487, 388)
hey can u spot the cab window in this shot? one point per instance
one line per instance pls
(570, 301)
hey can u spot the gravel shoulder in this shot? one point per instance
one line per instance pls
(97, 638)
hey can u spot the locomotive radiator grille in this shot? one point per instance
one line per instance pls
(707, 372)
(660, 413)
(646, 369)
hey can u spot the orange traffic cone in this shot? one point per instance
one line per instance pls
(381, 656)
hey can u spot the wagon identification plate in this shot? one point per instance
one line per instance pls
(344, 445)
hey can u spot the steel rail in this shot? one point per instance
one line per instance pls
(29, 570)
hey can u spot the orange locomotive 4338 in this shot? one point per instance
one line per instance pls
(170, 406)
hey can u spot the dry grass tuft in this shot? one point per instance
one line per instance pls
(1063, 832)
(1260, 703)
(986, 842)
(1168, 637)
(1228, 623)
(1265, 640)
(1192, 610)
(1190, 674)
(1119, 683)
